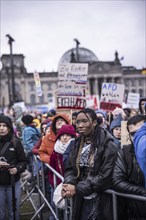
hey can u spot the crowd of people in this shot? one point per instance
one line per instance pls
(86, 148)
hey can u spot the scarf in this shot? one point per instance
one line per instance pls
(61, 148)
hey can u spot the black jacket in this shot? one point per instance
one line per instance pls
(15, 156)
(100, 178)
(128, 178)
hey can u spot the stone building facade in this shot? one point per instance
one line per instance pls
(98, 72)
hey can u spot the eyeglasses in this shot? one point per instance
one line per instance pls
(132, 133)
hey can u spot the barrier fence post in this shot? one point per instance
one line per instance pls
(115, 213)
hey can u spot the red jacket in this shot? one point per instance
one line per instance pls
(56, 162)
(47, 145)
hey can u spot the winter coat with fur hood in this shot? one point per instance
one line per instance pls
(48, 141)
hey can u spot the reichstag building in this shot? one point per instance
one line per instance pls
(98, 72)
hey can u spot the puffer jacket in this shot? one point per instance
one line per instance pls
(128, 178)
(48, 141)
(100, 178)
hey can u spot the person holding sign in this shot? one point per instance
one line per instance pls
(88, 171)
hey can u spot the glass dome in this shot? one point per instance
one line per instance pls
(84, 56)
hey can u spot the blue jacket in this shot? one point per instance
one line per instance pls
(140, 148)
(30, 136)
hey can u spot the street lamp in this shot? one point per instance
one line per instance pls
(10, 41)
(77, 49)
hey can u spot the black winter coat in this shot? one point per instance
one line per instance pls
(15, 156)
(128, 178)
(100, 178)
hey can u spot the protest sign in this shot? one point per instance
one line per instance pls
(92, 101)
(133, 100)
(124, 134)
(72, 85)
(111, 96)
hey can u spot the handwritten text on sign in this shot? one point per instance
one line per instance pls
(111, 96)
(112, 92)
(72, 80)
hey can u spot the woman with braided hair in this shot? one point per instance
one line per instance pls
(88, 171)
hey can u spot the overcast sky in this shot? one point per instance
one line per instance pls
(44, 30)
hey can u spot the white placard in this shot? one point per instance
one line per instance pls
(133, 100)
(72, 86)
(112, 95)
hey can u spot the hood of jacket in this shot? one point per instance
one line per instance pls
(64, 116)
(141, 132)
(140, 109)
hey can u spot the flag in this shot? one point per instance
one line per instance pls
(37, 84)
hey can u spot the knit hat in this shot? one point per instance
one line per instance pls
(99, 111)
(5, 119)
(48, 125)
(27, 119)
(116, 122)
(66, 129)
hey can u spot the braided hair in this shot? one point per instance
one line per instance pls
(94, 136)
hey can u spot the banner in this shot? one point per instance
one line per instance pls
(37, 84)
(72, 86)
(112, 95)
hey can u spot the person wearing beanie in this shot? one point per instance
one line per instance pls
(102, 118)
(115, 129)
(64, 137)
(142, 105)
(48, 141)
(12, 163)
(48, 127)
(30, 136)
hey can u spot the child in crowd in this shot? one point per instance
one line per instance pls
(65, 135)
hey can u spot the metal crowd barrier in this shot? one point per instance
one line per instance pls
(40, 185)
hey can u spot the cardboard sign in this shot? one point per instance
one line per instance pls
(124, 134)
(111, 96)
(92, 101)
(133, 100)
(72, 85)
